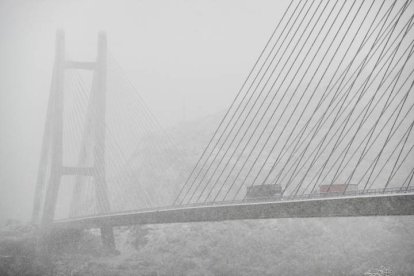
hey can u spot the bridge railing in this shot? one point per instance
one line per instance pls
(368, 192)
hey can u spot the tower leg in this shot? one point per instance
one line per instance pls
(107, 233)
(55, 122)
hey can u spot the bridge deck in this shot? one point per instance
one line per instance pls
(380, 205)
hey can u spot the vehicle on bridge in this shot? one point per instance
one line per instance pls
(338, 189)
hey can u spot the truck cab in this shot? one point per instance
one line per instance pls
(264, 191)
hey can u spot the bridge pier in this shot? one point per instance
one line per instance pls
(108, 238)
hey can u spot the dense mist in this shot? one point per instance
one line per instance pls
(206, 137)
(186, 60)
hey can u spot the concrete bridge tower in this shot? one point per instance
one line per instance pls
(51, 166)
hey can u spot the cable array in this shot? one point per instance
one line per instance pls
(328, 101)
(136, 146)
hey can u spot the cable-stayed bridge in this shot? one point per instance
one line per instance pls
(322, 126)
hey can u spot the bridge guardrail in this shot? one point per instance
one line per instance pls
(309, 196)
(283, 198)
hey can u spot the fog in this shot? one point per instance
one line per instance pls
(186, 58)
(335, 198)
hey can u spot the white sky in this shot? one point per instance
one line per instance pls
(187, 58)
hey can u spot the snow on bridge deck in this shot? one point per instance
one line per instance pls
(365, 205)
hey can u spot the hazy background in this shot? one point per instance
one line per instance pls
(187, 59)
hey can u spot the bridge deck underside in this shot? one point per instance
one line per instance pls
(386, 205)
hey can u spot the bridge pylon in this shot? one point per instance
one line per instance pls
(51, 165)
